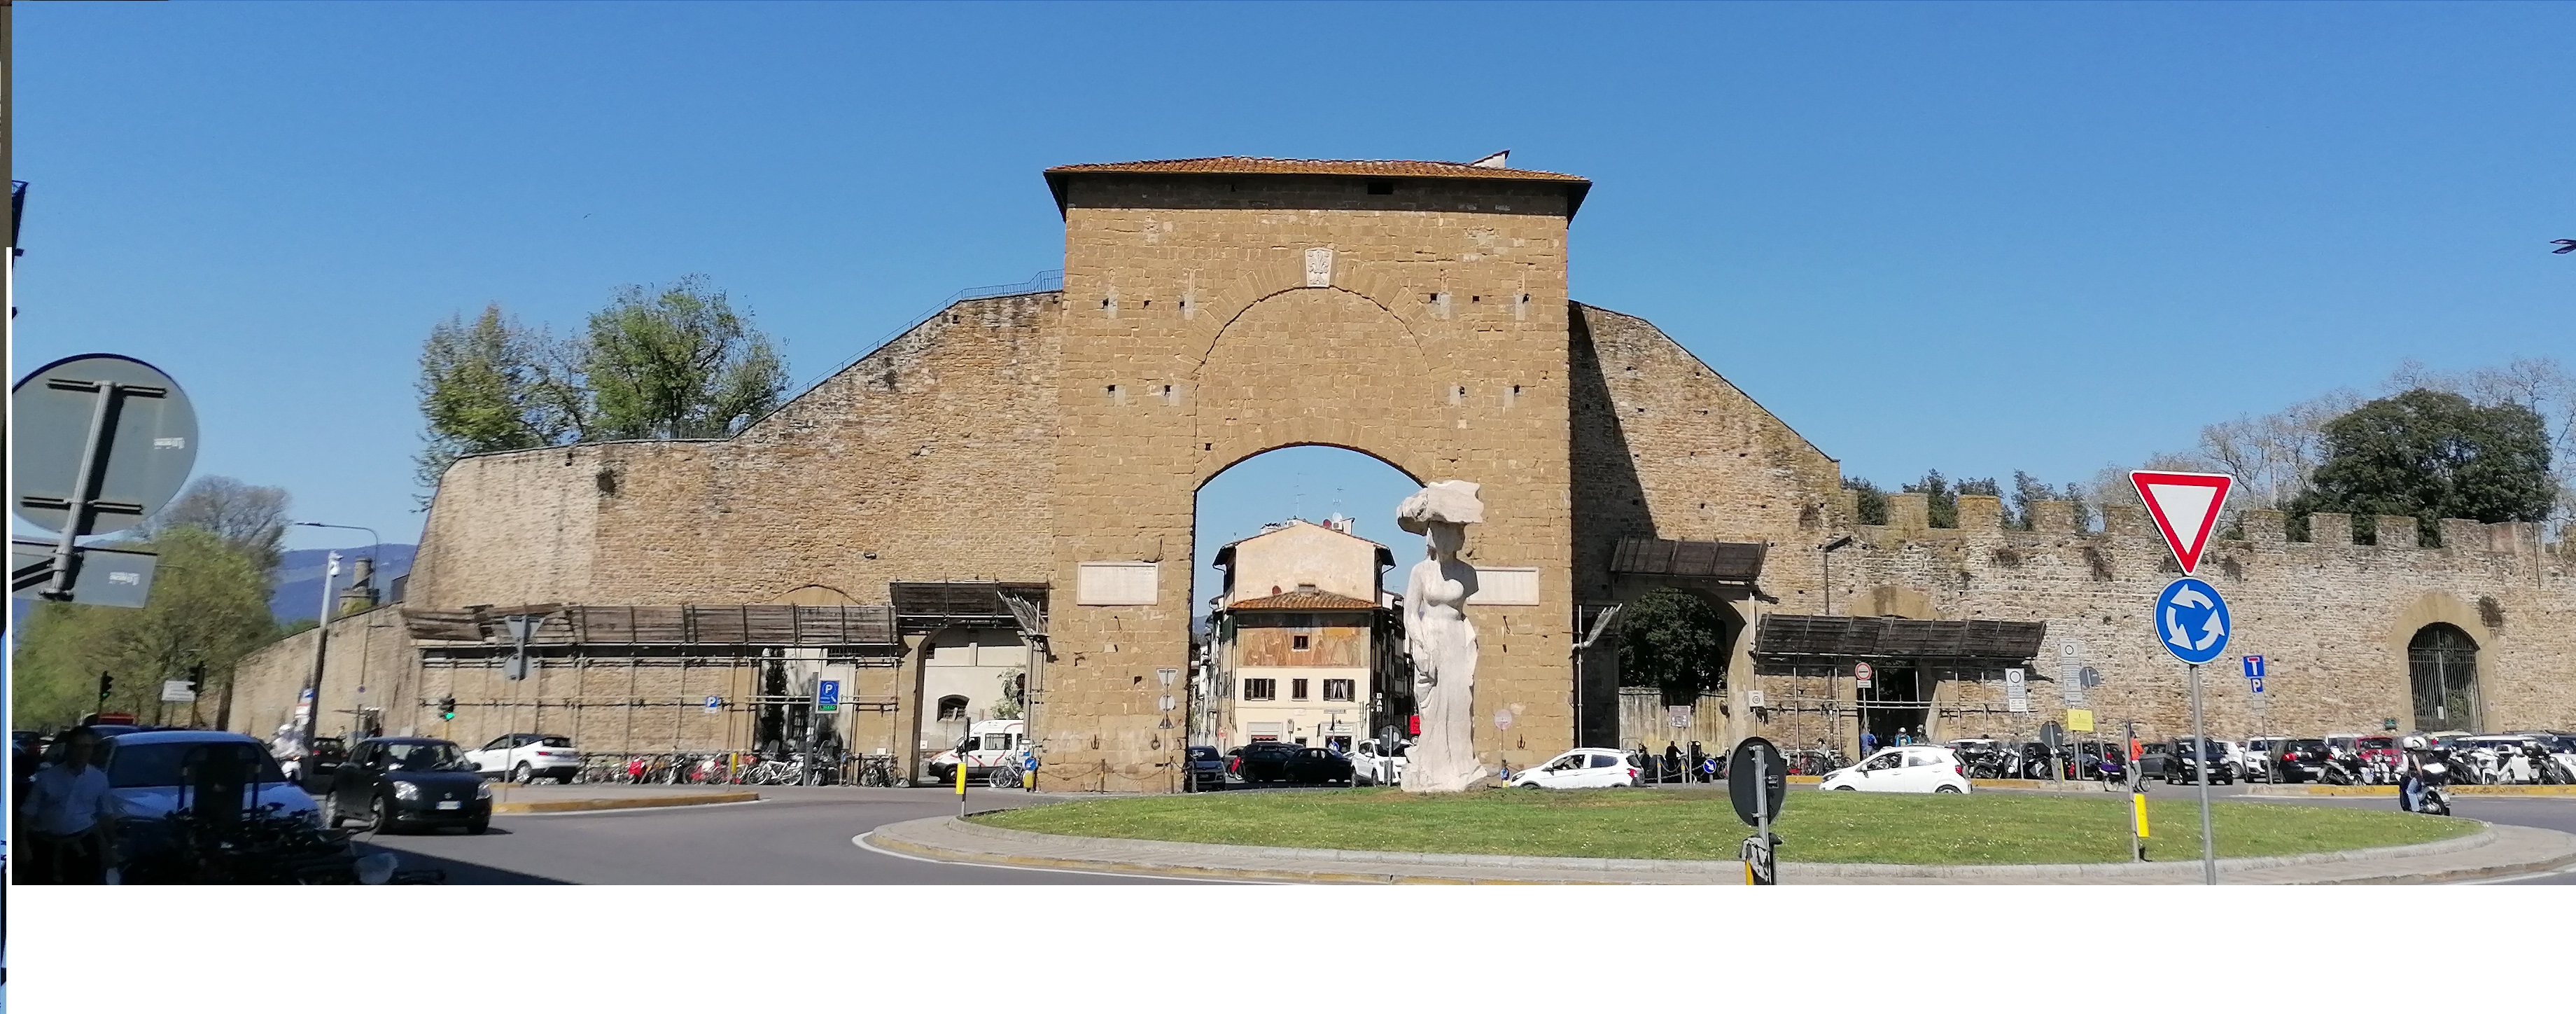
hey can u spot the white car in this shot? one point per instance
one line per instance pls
(1902, 769)
(1585, 767)
(144, 773)
(1368, 767)
(994, 750)
(527, 756)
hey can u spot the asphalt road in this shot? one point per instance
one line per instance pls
(804, 836)
(791, 836)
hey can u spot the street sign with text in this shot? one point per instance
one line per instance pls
(827, 695)
(2016, 691)
(1862, 674)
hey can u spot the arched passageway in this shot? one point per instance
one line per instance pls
(2442, 663)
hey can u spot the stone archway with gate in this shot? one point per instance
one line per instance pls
(1210, 317)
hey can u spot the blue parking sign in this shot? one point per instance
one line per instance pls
(2254, 672)
(827, 695)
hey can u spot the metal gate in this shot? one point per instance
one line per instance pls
(2444, 664)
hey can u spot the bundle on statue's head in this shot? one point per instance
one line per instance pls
(1449, 500)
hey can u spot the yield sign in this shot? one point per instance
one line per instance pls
(2185, 506)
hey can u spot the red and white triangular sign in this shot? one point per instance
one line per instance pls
(2185, 506)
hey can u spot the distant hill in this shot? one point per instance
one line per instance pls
(295, 587)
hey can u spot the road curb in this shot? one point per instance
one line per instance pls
(2539, 791)
(2510, 850)
(621, 803)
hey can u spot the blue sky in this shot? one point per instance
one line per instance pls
(1979, 238)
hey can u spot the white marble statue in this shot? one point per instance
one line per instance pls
(1440, 641)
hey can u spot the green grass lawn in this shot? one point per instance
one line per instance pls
(1833, 827)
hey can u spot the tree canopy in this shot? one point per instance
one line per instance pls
(1674, 641)
(2434, 454)
(673, 362)
(208, 605)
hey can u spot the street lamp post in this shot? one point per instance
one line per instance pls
(322, 632)
(1860, 719)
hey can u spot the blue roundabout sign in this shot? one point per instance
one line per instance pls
(2192, 621)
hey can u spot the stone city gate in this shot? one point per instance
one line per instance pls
(1043, 449)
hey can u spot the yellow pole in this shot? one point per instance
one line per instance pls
(961, 783)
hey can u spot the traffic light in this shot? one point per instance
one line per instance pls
(447, 708)
(105, 684)
(197, 679)
(1413, 725)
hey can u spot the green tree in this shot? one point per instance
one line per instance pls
(1873, 501)
(676, 363)
(1674, 641)
(1941, 498)
(2431, 455)
(492, 385)
(208, 605)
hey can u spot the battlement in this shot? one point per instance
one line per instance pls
(1982, 517)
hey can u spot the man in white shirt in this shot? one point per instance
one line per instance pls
(70, 816)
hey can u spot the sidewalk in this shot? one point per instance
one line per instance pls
(2494, 852)
(510, 799)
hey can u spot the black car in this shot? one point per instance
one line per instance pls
(1316, 766)
(324, 760)
(1206, 768)
(2301, 760)
(1263, 761)
(408, 781)
(2179, 768)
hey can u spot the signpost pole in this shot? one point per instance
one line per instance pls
(1762, 817)
(2200, 773)
(2137, 800)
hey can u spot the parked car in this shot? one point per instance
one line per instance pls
(1902, 769)
(2301, 760)
(989, 744)
(409, 781)
(2180, 765)
(527, 756)
(2259, 754)
(1271, 762)
(145, 775)
(1583, 767)
(1262, 761)
(2153, 759)
(1206, 768)
(326, 756)
(1369, 767)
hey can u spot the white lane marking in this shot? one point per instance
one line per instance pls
(861, 840)
(2559, 872)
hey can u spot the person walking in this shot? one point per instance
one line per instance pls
(70, 816)
(1868, 743)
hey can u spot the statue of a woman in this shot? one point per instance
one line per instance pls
(1439, 640)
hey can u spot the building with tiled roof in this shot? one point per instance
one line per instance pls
(1307, 648)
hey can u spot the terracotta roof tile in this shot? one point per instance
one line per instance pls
(1576, 186)
(1316, 600)
(1319, 167)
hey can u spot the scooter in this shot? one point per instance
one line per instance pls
(2429, 797)
(2114, 772)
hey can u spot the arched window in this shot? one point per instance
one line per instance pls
(952, 709)
(2443, 669)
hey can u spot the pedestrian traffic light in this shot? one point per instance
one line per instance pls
(105, 683)
(447, 708)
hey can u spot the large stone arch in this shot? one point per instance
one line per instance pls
(1319, 366)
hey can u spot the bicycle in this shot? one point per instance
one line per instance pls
(878, 773)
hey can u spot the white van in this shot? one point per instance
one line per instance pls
(994, 744)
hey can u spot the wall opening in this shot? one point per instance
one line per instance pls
(2443, 672)
(1292, 636)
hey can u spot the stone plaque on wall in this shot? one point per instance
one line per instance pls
(1117, 583)
(1319, 267)
(1506, 586)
